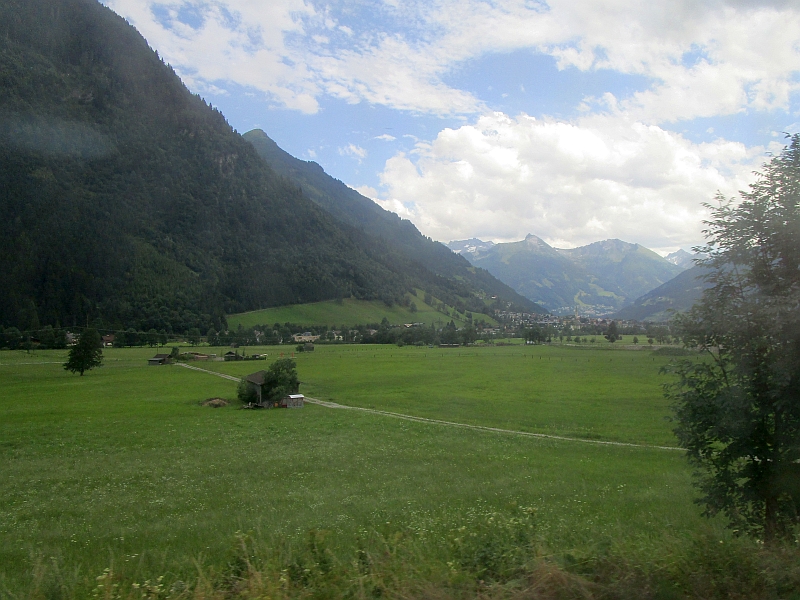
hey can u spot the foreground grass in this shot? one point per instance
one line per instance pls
(122, 469)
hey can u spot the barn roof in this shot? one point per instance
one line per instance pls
(257, 378)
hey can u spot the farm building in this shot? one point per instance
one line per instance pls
(256, 382)
(159, 359)
(293, 401)
(305, 337)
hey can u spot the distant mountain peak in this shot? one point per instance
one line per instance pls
(682, 258)
(470, 247)
(536, 241)
(603, 276)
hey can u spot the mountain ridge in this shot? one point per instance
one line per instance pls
(599, 278)
(676, 295)
(350, 207)
(128, 201)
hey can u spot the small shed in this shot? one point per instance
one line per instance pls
(256, 382)
(159, 359)
(293, 401)
(230, 355)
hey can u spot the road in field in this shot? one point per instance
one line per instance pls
(327, 404)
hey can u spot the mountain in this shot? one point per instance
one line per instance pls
(127, 201)
(435, 266)
(599, 278)
(678, 294)
(541, 273)
(630, 268)
(681, 258)
(472, 246)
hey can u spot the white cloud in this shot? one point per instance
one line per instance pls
(615, 171)
(704, 58)
(385, 137)
(353, 151)
(570, 183)
(241, 42)
(365, 190)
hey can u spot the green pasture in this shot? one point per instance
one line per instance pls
(602, 392)
(122, 467)
(349, 312)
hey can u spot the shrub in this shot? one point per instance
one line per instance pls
(246, 392)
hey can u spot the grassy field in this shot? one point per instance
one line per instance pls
(594, 393)
(349, 312)
(123, 468)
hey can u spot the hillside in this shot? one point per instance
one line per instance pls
(350, 312)
(127, 201)
(599, 278)
(631, 268)
(435, 264)
(678, 294)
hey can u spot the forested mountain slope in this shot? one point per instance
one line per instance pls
(678, 294)
(127, 201)
(347, 206)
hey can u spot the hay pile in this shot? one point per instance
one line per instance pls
(215, 402)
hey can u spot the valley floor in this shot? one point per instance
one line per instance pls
(123, 469)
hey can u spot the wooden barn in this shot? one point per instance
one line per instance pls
(256, 382)
(159, 359)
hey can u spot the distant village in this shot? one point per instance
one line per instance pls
(534, 327)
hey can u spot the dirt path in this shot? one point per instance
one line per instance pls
(385, 413)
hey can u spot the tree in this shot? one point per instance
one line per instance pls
(449, 334)
(280, 380)
(738, 411)
(86, 354)
(47, 337)
(612, 333)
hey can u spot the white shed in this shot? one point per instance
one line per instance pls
(293, 401)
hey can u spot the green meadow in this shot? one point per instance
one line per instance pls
(123, 469)
(350, 312)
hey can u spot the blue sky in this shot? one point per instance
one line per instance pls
(570, 119)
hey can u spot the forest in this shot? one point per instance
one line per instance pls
(128, 202)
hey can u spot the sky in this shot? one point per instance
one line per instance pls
(573, 120)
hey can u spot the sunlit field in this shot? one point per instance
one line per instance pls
(350, 312)
(124, 469)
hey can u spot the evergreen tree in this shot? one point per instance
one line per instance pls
(86, 354)
(612, 333)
